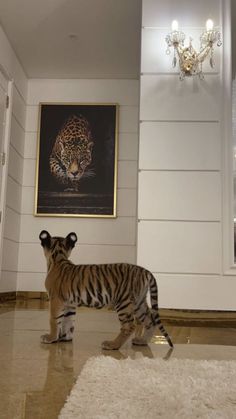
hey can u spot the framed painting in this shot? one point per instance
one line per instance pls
(76, 174)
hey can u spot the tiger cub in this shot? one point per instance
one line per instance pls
(121, 285)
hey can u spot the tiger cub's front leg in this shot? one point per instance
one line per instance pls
(57, 308)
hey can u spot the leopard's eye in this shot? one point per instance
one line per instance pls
(83, 163)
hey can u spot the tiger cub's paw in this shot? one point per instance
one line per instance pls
(139, 341)
(109, 345)
(47, 339)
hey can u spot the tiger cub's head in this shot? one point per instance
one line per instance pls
(57, 247)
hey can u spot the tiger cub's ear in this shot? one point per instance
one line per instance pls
(45, 238)
(71, 239)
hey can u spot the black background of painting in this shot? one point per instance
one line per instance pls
(102, 123)
(96, 194)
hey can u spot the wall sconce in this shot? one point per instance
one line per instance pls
(190, 61)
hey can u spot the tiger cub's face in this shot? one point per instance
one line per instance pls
(54, 246)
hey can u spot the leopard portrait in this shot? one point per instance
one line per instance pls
(71, 154)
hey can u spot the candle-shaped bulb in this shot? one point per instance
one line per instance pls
(209, 25)
(175, 25)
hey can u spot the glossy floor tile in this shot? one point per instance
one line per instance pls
(35, 378)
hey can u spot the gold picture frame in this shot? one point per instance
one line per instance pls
(76, 171)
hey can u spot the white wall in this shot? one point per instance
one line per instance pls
(100, 240)
(180, 165)
(8, 60)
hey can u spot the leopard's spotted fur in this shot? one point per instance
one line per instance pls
(72, 152)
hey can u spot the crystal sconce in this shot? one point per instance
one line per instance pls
(190, 61)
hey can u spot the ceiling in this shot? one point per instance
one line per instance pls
(74, 38)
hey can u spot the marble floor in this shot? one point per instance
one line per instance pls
(35, 379)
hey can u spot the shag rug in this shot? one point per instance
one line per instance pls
(153, 388)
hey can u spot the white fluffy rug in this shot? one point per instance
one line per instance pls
(153, 388)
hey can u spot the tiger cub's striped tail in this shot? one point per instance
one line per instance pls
(155, 314)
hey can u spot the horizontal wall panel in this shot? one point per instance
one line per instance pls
(180, 146)
(31, 281)
(128, 146)
(180, 247)
(17, 136)
(15, 168)
(127, 174)
(12, 225)
(196, 292)
(161, 13)
(123, 92)
(32, 259)
(8, 281)
(180, 196)
(154, 58)
(10, 255)
(19, 107)
(128, 119)
(29, 175)
(14, 191)
(165, 97)
(127, 202)
(117, 231)
(32, 118)
(31, 142)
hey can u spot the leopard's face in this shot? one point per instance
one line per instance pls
(72, 153)
(74, 157)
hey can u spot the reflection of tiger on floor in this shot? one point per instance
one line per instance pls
(122, 285)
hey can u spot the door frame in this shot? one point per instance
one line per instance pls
(6, 147)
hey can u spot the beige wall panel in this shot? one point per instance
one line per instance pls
(180, 247)
(29, 174)
(180, 196)
(31, 281)
(15, 167)
(12, 225)
(31, 257)
(167, 98)
(123, 92)
(10, 255)
(194, 13)
(13, 198)
(127, 202)
(19, 107)
(196, 292)
(17, 138)
(119, 231)
(31, 141)
(127, 174)
(128, 119)
(128, 146)
(180, 146)
(8, 281)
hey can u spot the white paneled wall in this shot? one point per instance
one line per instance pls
(99, 240)
(180, 169)
(11, 236)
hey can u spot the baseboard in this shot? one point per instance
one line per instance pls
(31, 295)
(7, 296)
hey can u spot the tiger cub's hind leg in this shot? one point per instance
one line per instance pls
(126, 319)
(145, 327)
(67, 324)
